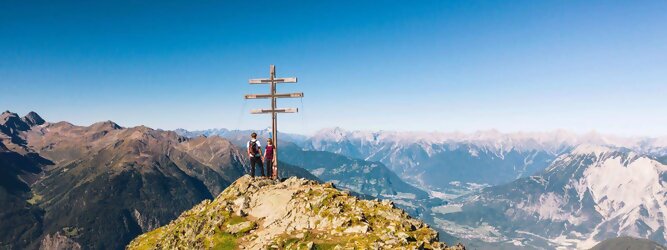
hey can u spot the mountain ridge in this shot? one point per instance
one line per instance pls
(294, 214)
(99, 186)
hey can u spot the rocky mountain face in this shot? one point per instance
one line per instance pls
(584, 197)
(625, 243)
(97, 187)
(20, 219)
(294, 214)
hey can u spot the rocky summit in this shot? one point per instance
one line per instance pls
(259, 213)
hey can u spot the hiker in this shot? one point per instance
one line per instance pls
(268, 159)
(255, 154)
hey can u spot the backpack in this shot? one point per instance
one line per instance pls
(253, 148)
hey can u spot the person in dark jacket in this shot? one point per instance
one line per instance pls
(255, 154)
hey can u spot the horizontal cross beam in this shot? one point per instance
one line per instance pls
(265, 96)
(269, 111)
(276, 80)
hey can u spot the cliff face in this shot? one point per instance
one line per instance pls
(294, 214)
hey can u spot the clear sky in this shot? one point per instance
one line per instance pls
(390, 65)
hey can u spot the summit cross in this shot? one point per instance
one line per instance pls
(273, 81)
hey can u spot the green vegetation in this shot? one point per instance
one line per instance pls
(295, 243)
(150, 239)
(236, 220)
(325, 246)
(35, 198)
(248, 228)
(71, 231)
(318, 239)
(223, 241)
(291, 242)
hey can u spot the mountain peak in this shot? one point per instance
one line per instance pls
(33, 119)
(13, 122)
(335, 133)
(334, 130)
(586, 149)
(255, 213)
(7, 114)
(106, 125)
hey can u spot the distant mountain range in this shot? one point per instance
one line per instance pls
(583, 197)
(433, 160)
(441, 161)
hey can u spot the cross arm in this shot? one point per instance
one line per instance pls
(269, 111)
(276, 80)
(264, 96)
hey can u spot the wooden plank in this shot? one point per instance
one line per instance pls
(265, 96)
(276, 80)
(270, 111)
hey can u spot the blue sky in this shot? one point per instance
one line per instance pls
(390, 65)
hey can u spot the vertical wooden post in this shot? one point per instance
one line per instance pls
(274, 118)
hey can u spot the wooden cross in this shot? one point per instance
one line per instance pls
(273, 81)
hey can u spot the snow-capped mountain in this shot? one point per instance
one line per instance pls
(586, 196)
(432, 159)
(240, 137)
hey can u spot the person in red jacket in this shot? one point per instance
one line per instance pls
(269, 157)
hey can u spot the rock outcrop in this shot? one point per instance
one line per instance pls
(259, 213)
(58, 241)
(33, 119)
